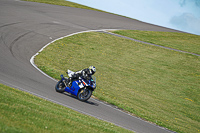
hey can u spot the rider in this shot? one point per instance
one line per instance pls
(85, 73)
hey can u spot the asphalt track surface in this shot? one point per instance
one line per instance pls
(26, 27)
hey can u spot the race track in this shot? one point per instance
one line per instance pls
(25, 27)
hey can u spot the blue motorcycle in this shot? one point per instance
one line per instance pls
(82, 87)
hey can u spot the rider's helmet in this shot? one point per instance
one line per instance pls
(93, 69)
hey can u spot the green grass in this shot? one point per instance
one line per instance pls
(181, 41)
(21, 112)
(159, 85)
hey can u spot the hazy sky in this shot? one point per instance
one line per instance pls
(177, 14)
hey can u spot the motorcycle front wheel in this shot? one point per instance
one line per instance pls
(60, 86)
(84, 94)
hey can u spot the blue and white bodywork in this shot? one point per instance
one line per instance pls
(82, 87)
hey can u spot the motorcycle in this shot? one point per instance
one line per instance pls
(82, 87)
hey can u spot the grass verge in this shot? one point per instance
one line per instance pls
(22, 112)
(181, 41)
(159, 85)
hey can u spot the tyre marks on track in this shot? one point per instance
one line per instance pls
(15, 40)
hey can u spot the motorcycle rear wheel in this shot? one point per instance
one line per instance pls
(84, 95)
(60, 86)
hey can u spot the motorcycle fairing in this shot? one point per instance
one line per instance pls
(76, 85)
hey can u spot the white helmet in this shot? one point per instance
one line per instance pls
(92, 68)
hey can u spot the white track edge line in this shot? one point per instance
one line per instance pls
(33, 57)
